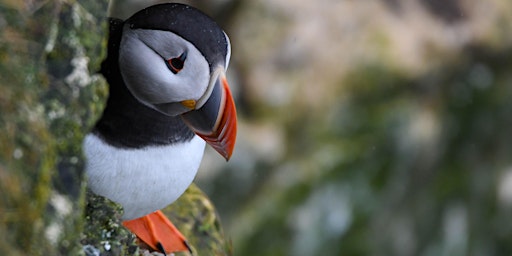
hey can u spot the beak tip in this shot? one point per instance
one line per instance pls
(227, 154)
(223, 145)
(227, 157)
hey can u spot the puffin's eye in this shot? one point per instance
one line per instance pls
(176, 64)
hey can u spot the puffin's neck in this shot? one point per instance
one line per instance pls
(125, 121)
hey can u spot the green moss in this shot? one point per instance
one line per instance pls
(193, 214)
(42, 127)
(103, 229)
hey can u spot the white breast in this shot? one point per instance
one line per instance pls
(141, 180)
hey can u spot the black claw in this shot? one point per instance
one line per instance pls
(188, 246)
(161, 248)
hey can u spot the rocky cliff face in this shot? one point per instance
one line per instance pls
(49, 99)
(367, 127)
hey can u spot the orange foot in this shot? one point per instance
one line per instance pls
(158, 232)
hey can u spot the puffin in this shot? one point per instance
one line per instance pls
(168, 97)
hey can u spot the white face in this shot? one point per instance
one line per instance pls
(144, 57)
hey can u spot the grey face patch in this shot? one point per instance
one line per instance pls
(142, 61)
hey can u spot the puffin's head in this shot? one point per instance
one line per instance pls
(173, 59)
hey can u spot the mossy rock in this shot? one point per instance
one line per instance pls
(193, 214)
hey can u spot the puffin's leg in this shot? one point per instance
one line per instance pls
(158, 232)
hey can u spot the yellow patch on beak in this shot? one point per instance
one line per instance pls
(190, 104)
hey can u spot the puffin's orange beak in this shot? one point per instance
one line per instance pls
(215, 121)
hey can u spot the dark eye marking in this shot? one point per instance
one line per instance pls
(176, 64)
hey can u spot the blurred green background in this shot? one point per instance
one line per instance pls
(365, 127)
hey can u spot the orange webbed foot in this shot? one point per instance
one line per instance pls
(158, 232)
